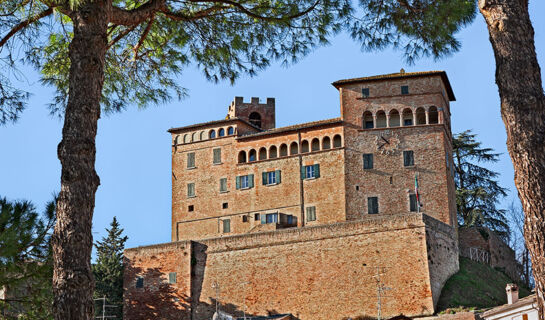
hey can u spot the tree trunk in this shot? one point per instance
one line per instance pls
(518, 77)
(72, 241)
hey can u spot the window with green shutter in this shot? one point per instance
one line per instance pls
(245, 182)
(223, 185)
(172, 277)
(413, 203)
(408, 158)
(310, 172)
(372, 205)
(404, 89)
(191, 190)
(311, 213)
(368, 161)
(270, 177)
(217, 156)
(365, 92)
(226, 225)
(191, 160)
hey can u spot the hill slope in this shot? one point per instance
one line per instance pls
(476, 285)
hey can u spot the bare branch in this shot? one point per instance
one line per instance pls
(121, 36)
(138, 15)
(195, 16)
(25, 24)
(143, 36)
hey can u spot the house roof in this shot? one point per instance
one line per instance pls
(400, 75)
(203, 124)
(293, 128)
(531, 299)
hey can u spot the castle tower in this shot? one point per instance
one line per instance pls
(262, 115)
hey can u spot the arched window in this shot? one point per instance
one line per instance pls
(221, 133)
(368, 120)
(283, 150)
(315, 145)
(273, 152)
(294, 148)
(204, 136)
(230, 131)
(337, 141)
(394, 118)
(326, 143)
(195, 136)
(212, 134)
(433, 115)
(381, 119)
(252, 155)
(420, 116)
(186, 138)
(304, 146)
(408, 117)
(177, 139)
(262, 153)
(255, 119)
(242, 157)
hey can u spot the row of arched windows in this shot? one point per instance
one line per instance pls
(284, 150)
(204, 135)
(408, 117)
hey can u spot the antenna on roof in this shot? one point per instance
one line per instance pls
(402, 70)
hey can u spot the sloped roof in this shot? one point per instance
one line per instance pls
(293, 127)
(400, 75)
(529, 300)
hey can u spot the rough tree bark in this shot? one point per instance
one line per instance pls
(518, 77)
(72, 241)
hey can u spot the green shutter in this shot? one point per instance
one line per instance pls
(250, 181)
(277, 174)
(263, 218)
(264, 177)
(238, 182)
(217, 156)
(303, 172)
(316, 170)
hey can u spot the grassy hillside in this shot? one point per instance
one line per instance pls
(476, 285)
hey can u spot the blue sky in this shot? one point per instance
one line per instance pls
(133, 147)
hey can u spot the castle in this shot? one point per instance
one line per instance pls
(315, 219)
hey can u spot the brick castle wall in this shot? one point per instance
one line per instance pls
(321, 272)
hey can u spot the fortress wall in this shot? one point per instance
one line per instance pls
(316, 272)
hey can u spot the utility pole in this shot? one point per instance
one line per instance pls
(244, 301)
(216, 286)
(380, 291)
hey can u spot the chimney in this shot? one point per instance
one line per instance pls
(512, 293)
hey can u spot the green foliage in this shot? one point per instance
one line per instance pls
(476, 285)
(26, 267)
(477, 189)
(108, 270)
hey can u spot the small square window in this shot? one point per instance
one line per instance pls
(368, 161)
(404, 89)
(372, 205)
(256, 216)
(139, 282)
(365, 92)
(172, 277)
(225, 205)
(408, 158)
(190, 208)
(244, 218)
(226, 225)
(311, 213)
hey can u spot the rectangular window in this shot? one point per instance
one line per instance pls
(368, 161)
(172, 277)
(217, 156)
(190, 208)
(191, 190)
(226, 225)
(408, 158)
(271, 218)
(256, 216)
(290, 219)
(310, 172)
(404, 89)
(225, 205)
(245, 182)
(271, 177)
(139, 282)
(365, 92)
(412, 203)
(372, 205)
(191, 160)
(244, 218)
(311, 213)
(223, 185)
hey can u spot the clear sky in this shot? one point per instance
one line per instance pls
(133, 147)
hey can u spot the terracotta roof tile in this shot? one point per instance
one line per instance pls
(292, 128)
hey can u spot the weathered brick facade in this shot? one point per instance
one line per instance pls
(343, 189)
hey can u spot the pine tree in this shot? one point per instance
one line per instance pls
(477, 189)
(108, 269)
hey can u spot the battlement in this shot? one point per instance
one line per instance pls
(262, 115)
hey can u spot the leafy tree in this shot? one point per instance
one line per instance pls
(26, 265)
(477, 189)
(107, 54)
(108, 270)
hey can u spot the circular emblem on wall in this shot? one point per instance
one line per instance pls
(387, 143)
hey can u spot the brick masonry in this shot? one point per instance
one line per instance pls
(318, 268)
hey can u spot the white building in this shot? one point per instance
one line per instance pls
(515, 309)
